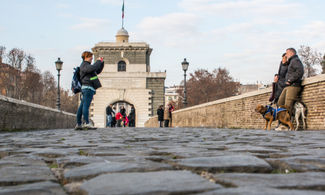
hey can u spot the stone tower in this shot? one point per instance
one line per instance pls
(126, 80)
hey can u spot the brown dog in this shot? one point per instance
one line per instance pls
(269, 115)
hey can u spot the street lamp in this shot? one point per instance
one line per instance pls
(185, 67)
(58, 65)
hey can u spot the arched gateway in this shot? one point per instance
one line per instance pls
(116, 106)
(126, 77)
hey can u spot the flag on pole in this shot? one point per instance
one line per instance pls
(123, 10)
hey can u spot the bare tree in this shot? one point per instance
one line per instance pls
(29, 84)
(323, 65)
(69, 103)
(30, 62)
(32, 85)
(310, 58)
(204, 86)
(49, 90)
(15, 59)
(3, 75)
(8, 75)
(2, 71)
(226, 85)
(2, 53)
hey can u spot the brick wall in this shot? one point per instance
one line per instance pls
(21, 115)
(238, 111)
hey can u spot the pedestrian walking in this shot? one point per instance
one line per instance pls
(113, 124)
(166, 116)
(131, 117)
(160, 113)
(109, 115)
(171, 108)
(89, 82)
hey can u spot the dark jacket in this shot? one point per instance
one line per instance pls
(123, 111)
(295, 71)
(109, 111)
(280, 85)
(132, 114)
(88, 73)
(283, 69)
(160, 113)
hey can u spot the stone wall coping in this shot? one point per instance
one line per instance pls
(22, 102)
(249, 94)
(314, 79)
(120, 45)
(307, 81)
(133, 75)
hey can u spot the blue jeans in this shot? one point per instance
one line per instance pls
(109, 120)
(87, 97)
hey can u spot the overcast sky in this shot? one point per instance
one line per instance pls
(247, 37)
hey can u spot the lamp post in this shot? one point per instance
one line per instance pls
(58, 65)
(185, 67)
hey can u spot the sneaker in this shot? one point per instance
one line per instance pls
(281, 128)
(78, 127)
(88, 127)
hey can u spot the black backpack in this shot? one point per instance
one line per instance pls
(76, 81)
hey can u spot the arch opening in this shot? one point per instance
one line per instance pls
(125, 109)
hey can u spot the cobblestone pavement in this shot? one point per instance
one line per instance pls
(162, 161)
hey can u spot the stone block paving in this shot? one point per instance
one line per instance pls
(125, 161)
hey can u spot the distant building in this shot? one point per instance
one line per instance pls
(251, 87)
(8, 79)
(171, 94)
(247, 88)
(126, 80)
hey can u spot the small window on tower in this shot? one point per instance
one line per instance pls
(121, 66)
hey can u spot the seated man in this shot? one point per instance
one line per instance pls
(293, 80)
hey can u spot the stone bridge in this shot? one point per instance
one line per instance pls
(238, 111)
(162, 161)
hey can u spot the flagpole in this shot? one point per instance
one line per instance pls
(123, 15)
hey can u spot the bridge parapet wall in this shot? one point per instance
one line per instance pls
(20, 115)
(238, 111)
